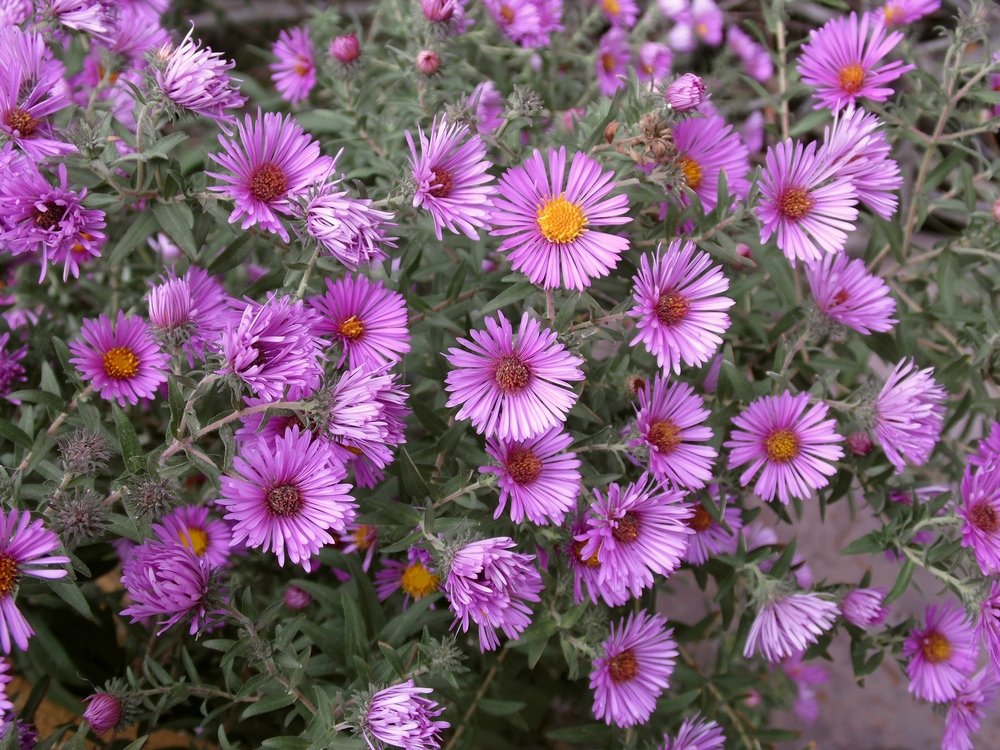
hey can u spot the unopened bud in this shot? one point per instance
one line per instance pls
(428, 62)
(634, 384)
(345, 49)
(79, 516)
(296, 598)
(104, 711)
(860, 443)
(438, 11)
(686, 93)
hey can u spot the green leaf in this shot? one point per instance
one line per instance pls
(496, 707)
(129, 440)
(161, 148)
(143, 226)
(268, 704)
(902, 582)
(509, 296)
(15, 435)
(70, 593)
(177, 220)
(39, 397)
(413, 482)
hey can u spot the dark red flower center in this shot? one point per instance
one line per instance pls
(51, 216)
(523, 466)
(935, 647)
(283, 500)
(665, 436)
(841, 297)
(511, 374)
(795, 203)
(624, 667)
(984, 517)
(268, 182)
(627, 529)
(8, 575)
(22, 122)
(701, 521)
(507, 13)
(671, 308)
(608, 62)
(443, 179)
(851, 78)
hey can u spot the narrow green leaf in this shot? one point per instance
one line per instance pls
(902, 582)
(177, 220)
(143, 227)
(129, 440)
(15, 435)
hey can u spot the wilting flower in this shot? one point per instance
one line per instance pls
(685, 93)
(540, 480)
(679, 306)
(294, 73)
(707, 146)
(549, 221)
(287, 497)
(512, 388)
(756, 58)
(400, 716)
(980, 511)
(696, 733)
(847, 294)
(195, 79)
(273, 162)
(639, 658)
(614, 54)
(967, 710)
(909, 415)
(653, 62)
(450, 170)
(416, 577)
(863, 607)
(347, 228)
(191, 527)
(490, 585)
(901, 12)
(942, 654)
(711, 537)
(842, 61)
(786, 625)
(189, 311)
(488, 106)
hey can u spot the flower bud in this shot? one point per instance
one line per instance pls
(428, 62)
(296, 598)
(104, 711)
(860, 443)
(438, 11)
(996, 210)
(863, 607)
(686, 93)
(609, 132)
(634, 384)
(345, 49)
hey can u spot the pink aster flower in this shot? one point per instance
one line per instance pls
(988, 625)
(287, 497)
(988, 449)
(516, 19)
(549, 20)
(488, 106)
(636, 531)
(104, 711)
(11, 369)
(794, 449)
(909, 415)
(620, 13)
(809, 209)
(805, 677)
(653, 62)
(967, 710)
(189, 311)
(402, 717)
(700, 21)
(417, 576)
(366, 319)
(123, 361)
(639, 657)
(614, 53)
(756, 59)
(980, 513)
(842, 61)
(711, 538)
(191, 527)
(273, 162)
(13, 13)
(491, 586)
(512, 388)
(294, 73)
(30, 92)
(296, 598)
(87, 16)
(362, 539)
(670, 420)
(686, 93)
(540, 480)
(345, 227)
(24, 551)
(902, 12)
(863, 607)
(788, 624)
(452, 182)
(679, 306)
(194, 79)
(707, 146)
(847, 294)
(549, 221)
(345, 49)
(696, 733)
(447, 15)
(942, 654)
(587, 570)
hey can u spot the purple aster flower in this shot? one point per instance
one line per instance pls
(194, 79)
(347, 228)
(805, 677)
(490, 585)
(168, 579)
(417, 576)
(30, 92)
(272, 162)
(6, 706)
(707, 146)
(639, 657)
(366, 319)
(654, 61)
(863, 607)
(15, 12)
(287, 497)
(711, 538)
(428, 62)
(86, 16)
(451, 177)
(847, 294)
(942, 654)
(756, 59)
(488, 106)
(548, 220)
(447, 15)
(988, 449)
(636, 531)
(549, 20)
(988, 625)
(620, 13)
(360, 538)
(696, 733)
(901, 12)
(679, 306)
(614, 53)
(909, 415)
(11, 369)
(294, 74)
(842, 61)
(685, 93)
(516, 19)
(787, 624)
(104, 711)
(587, 570)
(191, 527)
(512, 388)
(794, 449)
(272, 346)
(809, 209)
(189, 312)
(540, 480)
(123, 360)
(24, 550)
(402, 717)
(967, 710)
(670, 420)
(980, 512)
(352, 408)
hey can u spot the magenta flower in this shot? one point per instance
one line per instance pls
(30, 93)
(490, 585)
(685, 93)
(909, 415)
(287, 497)
(842, 61)
(809, 209)
(294, 74)
(679, 306)
(696, 733)
(786, 625)
(614, 53)
(711, 538)
(296, 598)
(190, 311)
(448, 15)
(347, 228)
(540, 480)
(402, 717)
(273, 162)
(847, 294)
(639, 657)
(191, 527)
(805, 677)
(104, 711)
(863, 607)
(417, 576)
(6, 705)
(512, 388)
(636, 531)
(670, 420)
(452, 182)
(942, 654)
(988, 449)
(11, 369)
(706, 147)
(516, 19)
(361, 539)
(587, 570)
(24, 550)
(123, 361)
(488, 107)
(988, 625)
(620, 13)
(794, 449)
(86, 16)
(902, 12)
(653, 62)
(980, 512)
(967, 710)
(548, 220)
(756, 59)
(345, 49)
(195, 80)
(549, 20)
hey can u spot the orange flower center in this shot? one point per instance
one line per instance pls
(120, 363)
(701, 521)
(782, 446)
(608, 62)
(507, 13)
(671, 308)
(363, 536)
(8, 575)
(577, 550)
(22, 122)
(851, 78)
(195, 540)
(351, 329)
(795, 203)
(624, 667)
(935, 648)
(612, 7)
(665, 436)
(692, 172)
(419, 582)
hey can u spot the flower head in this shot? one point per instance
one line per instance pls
(902, 12)
(11, 369)
(909, 415)
(639, 658)
(706, 147)
(863, 607)
(402, 717)
(194, 79)
(487, 104)
(191, 527)
(967, 710)
(980, 513)
(620, 13)
(653, 62)
(516, 19)
(685, 93)
(614, 53)
(189, 311)
(756, 59)
(105, 711)
(31, 91)
(988, 625)
(587, 570)
(417, 576)
(346, 227)
(294, 73)
(710, 537)
(786, 625)
(345, 49)
(942, 654)
(847, 294)
(696, 733)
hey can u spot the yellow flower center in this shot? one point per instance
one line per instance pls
(692, 172)
(351, 329)
(302, 66)
(195, 540)
(418, 582)
(577, 549)
(782, 446)
(608, 62)
(120, 363)
(851, 78)
(935, 648)
(561, 221)
(795, 203)
(363, 536)
(665, 436)
(891, 13)
(612, 7)
(701, 29)
(8, 575)
(624, 667)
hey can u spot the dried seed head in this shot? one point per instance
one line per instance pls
(84, 452)
(79, 516)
